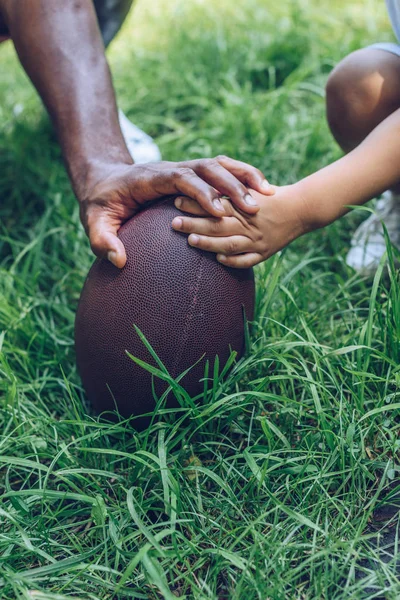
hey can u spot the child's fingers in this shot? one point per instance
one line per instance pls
(210, 226)
(240, 261)
(233, 244)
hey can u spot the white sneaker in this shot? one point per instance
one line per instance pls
(368, 242)
(141, 146)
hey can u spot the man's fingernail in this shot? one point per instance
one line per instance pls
(194, 240)
(218, 205)
(221, 257)
(177, 223)
(250, 200)
(112, 257)
(178, 202)
(266, 186)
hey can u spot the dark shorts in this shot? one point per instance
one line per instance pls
(111, 14)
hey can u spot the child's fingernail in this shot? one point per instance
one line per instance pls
(266, 186)
(218, 205)
(194, 240)
(221, 257)
(250, 200)
(112, 257)
(177, 223)
(178, 202)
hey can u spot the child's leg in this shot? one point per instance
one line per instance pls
(361, 92)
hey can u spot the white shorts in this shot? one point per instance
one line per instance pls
(388, 46)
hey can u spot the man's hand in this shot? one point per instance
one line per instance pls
(241, 240)
(117, 191)
(77, 91)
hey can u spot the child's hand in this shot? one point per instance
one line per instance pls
(242, 240)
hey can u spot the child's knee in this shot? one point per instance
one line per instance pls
(365, 85)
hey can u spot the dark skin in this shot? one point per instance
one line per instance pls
(60, 47)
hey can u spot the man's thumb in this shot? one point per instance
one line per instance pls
(106, 244)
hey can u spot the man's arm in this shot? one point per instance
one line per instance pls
(60, 47)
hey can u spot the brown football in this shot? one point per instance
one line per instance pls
(185, 303)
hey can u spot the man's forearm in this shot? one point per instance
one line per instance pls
(60, 47)
(367, 171)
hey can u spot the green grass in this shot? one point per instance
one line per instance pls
(264, 490)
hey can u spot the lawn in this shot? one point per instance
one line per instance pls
(266, 489)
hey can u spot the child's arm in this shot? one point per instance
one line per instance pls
(241, 240)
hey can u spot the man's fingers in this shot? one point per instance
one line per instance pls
(248, 175)
(192, 207)
(149, 182)
(225, 226)
(105, 243)
(228, 184)
(240, 261)
(233, 244)
(187, 183)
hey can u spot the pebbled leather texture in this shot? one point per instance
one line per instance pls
(181, 298)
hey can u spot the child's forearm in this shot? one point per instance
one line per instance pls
(242, 241)
(370, 169)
